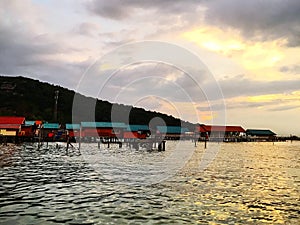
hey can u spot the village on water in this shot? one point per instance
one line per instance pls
(18, 129)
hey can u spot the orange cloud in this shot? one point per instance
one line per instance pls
(251, 55)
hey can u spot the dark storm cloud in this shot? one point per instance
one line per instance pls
(150, 18)
(121, 9)
(86, 29)
(242, 86)
(257, 19)
(152, 79)
(145, 79)
(19, 49)
(114, 9)
(232, 105)
(210, 107)
(24, 51)
(273, 105)
(269, 104)
(27, 52)
(291, 69)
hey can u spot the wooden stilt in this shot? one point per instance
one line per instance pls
(5, 141)
(39, 138)
(67, 149)
(79, 139)
(159, 147)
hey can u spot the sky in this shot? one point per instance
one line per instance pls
(205, 61)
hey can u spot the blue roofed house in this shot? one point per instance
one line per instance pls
(260, 135)
(51, 131)
(73, 129)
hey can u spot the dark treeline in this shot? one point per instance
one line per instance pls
(20, 96)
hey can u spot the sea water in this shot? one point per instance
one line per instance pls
(241, 183)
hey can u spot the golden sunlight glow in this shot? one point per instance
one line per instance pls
(215, 40)
(252, 55)
(294, 97)
(269, 102)
(206, 117)
(261, 55)
(105, 66)
(212, 46)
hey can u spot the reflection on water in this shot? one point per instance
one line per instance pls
(247, 183)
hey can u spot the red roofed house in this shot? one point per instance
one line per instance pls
(136, 132)
(11, 126)
(29, 129)
(226, 133)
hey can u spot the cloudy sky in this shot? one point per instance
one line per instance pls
(248, 54)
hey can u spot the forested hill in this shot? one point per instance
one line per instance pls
(20, 96)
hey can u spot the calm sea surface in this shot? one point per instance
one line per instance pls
(246, 183)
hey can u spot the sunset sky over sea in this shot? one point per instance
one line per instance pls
(251, 48)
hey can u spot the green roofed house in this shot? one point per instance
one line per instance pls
(51, 131)
(137, 128)
(37, 123)
(259, 134)
(29, 123)
(73, 129)
(171, 132)
(53, 126)
(103, 125)
(72, 126)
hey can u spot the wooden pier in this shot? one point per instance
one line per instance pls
(149, 144)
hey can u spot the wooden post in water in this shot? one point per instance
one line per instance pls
(67, 150)
(205, 140)
(5, 141)
(68, 142)
(159, 147)
(40, 134)
(135, 146)
(79, 138)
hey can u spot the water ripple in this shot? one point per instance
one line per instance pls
(248, 183)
